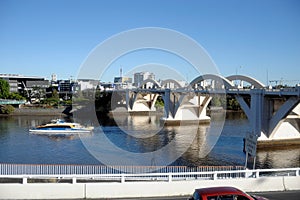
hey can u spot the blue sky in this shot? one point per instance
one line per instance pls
(260, 38)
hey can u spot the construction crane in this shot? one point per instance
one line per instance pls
(286, 82)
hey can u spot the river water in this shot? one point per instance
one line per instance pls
(137, 137)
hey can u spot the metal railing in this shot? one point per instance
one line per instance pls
(57, 169)
(170, 174)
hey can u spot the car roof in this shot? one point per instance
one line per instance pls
(218, 191)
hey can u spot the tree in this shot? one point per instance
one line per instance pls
(17, 96)
(6, 109)
(159, 102)
(53, 100)
(103, 101)
(55, 94)
(4, 89)
(233, 104)
(216, 102)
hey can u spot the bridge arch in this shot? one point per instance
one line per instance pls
(218, 78)
(154, 82)
(165, 83)
(257, 84)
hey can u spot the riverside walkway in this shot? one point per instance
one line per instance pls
(19, 181)
(11, 102)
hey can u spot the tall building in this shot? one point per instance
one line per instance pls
(67, 86)
(122, 79)
(122, 82)
(139, 77)
(88, 84)
(54, 77)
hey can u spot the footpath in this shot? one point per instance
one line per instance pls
(38, 111)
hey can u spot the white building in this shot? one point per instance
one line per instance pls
(139, 77)
(53, 77)
(86, 84)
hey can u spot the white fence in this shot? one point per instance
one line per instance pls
(90, 173)
(58, 169)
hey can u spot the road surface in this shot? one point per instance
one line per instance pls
(282, 195)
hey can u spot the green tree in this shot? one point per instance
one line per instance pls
(159, 102)
(103, 101)
(233, 104)
(4, 89)
(55, 94)
(216, 102)
(17, 96)
(53, 100)
(6, 109)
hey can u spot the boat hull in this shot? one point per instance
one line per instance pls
(59, 132)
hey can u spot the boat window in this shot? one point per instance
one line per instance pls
(60, 126)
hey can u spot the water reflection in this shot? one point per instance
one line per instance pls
(60, 137)
(282, 158)
(138, 126)
(142, 140)
(115, 147)
(132, 135)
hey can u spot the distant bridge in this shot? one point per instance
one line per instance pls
(266, 109)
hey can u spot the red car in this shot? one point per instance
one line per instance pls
(222, 193)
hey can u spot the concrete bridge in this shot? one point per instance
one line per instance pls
(269, 111)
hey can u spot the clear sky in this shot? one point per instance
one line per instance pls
(260, 38)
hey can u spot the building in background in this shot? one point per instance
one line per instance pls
(87, 84)
(139, 77)
(66, 88)
(24, 84)
(122, 82)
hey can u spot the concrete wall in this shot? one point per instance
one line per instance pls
(139, 189)
(42, 191)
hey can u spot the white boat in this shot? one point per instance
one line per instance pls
(59, 126)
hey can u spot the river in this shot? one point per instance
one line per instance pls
(136, 137)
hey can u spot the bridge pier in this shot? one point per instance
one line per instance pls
(185, 108)
(140, 102)
(268, 117)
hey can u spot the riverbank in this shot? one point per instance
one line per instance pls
(278, 144)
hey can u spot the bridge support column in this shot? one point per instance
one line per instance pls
(140, 102)
(265, 115)
(185, 108)
(166, 98)
(256, 111)
(130, 98)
